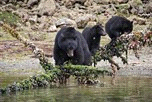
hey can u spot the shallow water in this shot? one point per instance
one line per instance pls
(127, 89)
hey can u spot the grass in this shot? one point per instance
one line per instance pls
(9, 18)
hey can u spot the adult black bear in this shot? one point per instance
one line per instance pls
(93, 35)
(116, 26)
(70, 45)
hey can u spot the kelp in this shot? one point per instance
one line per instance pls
(121, 45)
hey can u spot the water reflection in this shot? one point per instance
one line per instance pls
(127, 89)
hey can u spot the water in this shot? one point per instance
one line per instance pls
(127, 89)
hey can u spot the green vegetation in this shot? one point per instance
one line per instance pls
(9, 18)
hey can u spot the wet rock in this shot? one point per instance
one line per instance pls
(65, 21)
(46, 7)
(83, 20)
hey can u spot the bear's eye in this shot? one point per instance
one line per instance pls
(74, 38)
(94, 38)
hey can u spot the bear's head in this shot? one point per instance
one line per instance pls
(68, 41)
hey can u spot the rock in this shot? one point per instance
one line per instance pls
(33, 19)
(122, 1)
(139, 21)
(88, 3)
(145, 1)
(103, 1)
(28, 24)
(31, 3)
(71, 3)
(97, 9)
(46, 7)
(25, 17)
(134, 11)
(45, 22)
(123, 8)
(149, 8)
(83, 20)
(140, 9)
(65, 21)
(1, 23)
(3, 1)
(135, 3)
(42, 19)
(102, 19)
(41, 26)
(52, 28)
(91, 24)
(52, 20)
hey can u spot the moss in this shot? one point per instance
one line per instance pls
(9, 18)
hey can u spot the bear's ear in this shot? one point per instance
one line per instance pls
(131, 22)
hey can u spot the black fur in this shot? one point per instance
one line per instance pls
(116, 26)
(69, 40)
(93, 35)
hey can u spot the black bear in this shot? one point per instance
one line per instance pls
(70, 45)
(116, 26)
(92, 36)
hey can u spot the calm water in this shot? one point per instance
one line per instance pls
(127, 89)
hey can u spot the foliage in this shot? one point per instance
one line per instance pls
(9, 18)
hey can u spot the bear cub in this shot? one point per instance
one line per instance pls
(70, 45)
(92, 36)
(116, 26)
